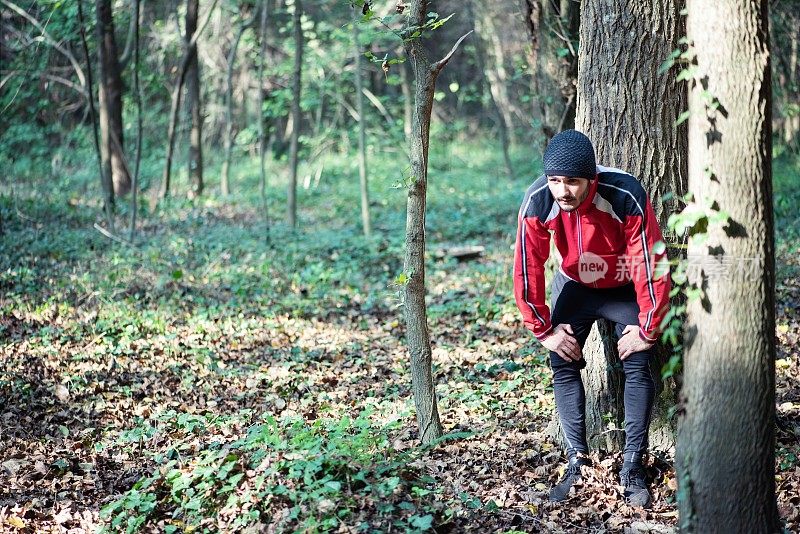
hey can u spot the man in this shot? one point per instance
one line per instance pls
(605, 231)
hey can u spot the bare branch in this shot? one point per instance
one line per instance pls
(203, 25)
(378, 105)
(113, 236)
(439, 65)
(24, 14)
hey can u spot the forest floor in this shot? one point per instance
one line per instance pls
(206, 380)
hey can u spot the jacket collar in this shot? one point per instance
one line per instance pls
(588, 202)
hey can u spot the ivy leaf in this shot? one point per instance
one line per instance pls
(682, 118)
(686, 74)
(422, 522)
(666, 65)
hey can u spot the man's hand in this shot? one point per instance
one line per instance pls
(562, 341)
(630, 342)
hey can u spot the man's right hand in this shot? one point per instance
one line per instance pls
(562, 341)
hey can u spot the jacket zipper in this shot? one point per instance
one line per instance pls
(580, 242)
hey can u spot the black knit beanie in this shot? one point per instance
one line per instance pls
(570, 153)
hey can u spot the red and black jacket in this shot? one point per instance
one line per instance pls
(607, 241)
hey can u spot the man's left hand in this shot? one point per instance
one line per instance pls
(630, 342)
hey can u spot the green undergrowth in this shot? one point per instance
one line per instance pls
(287, 472)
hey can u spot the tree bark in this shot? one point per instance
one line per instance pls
(628, 111)
(362, 124)
(726, 441)
(110, 96)
(416, 315)
(297, 86)
(193, 101)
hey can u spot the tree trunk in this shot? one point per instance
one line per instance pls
(628, 111)
(297, 84)
(110, 95)
(172, 128)
(416, 315)
(193, 101)
(726, 441)
(262, 138)
(225, 178)
(127, 52)
(362, 124)
(176, 103)
(791, 125)
(105, 170)
(553, 29)
(137, 91)
(480, 56)
(496, 75)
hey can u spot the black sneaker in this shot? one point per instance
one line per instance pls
(633, 480)
(572, 475)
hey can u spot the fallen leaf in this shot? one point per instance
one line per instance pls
(62, 393)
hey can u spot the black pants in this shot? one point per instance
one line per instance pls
(579, 306)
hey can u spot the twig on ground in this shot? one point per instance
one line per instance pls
(112, 236)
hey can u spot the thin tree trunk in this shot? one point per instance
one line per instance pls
(532, 11)
(193, 101)
(480, 57)
(137, 89)
(176, 104)
(726, 443)
(110, 95)
(127, 53)
(627, 109)
(105, 173)
(296, 91)
(362, 123)
(262, 138)
(497, 76)
(173, 127)
(416, 315)
(225, 179)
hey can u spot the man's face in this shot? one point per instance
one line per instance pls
(568, 191)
